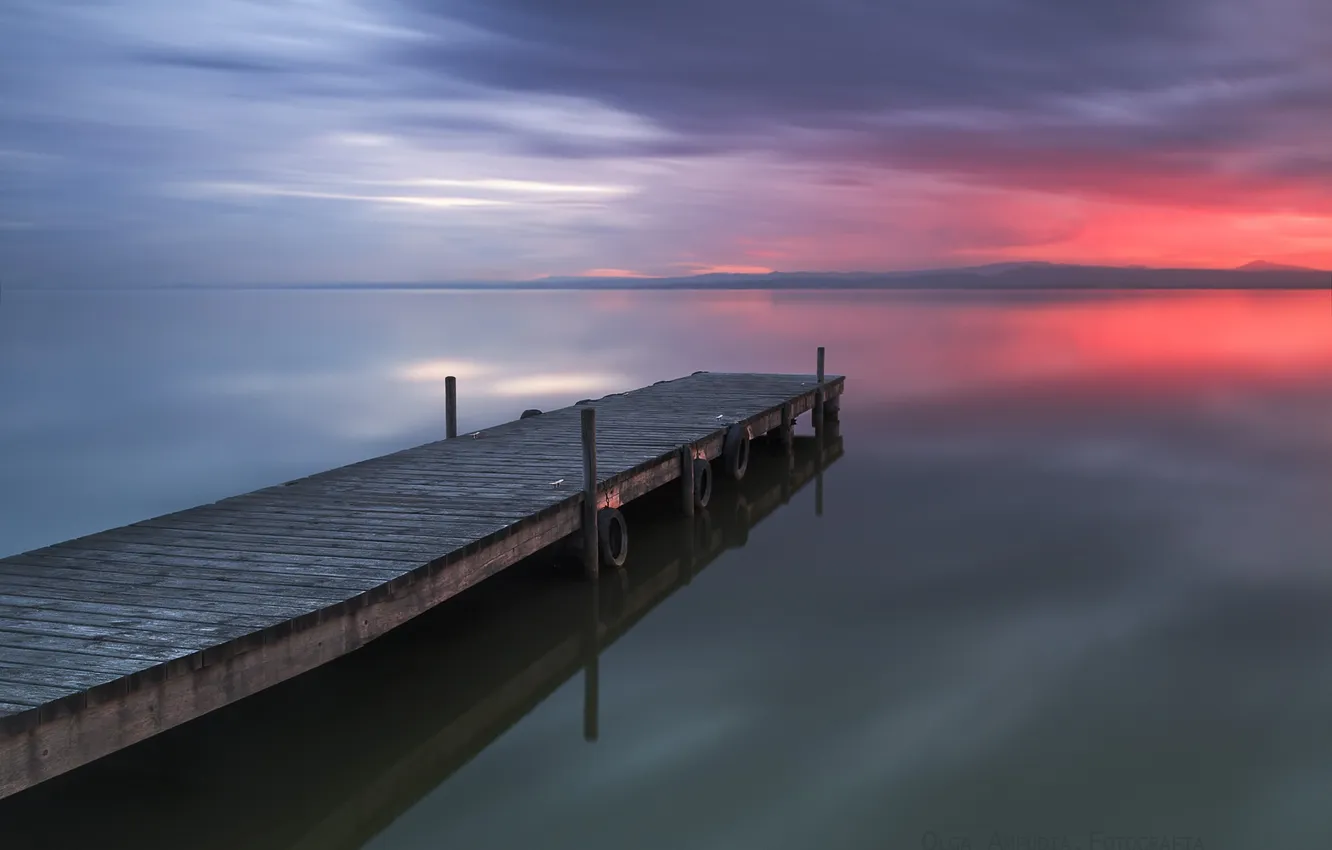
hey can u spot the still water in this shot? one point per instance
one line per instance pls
(1071, 579)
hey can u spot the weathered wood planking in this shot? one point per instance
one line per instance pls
(334, 779)
(113, 637)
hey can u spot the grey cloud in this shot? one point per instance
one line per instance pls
(740, 59)
(235, 63)
(1146, 89)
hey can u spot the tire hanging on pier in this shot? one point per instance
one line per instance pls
(735, 452)
(612, 536)
(702, 483)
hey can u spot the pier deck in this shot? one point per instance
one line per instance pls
(111, 638)
(283, 772)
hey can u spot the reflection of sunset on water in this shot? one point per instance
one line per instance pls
(910, 342)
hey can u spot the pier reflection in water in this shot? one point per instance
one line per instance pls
(331, 758)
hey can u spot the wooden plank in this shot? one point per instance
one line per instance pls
(185, 617)
(39, 660)
(208, 541)
(44, 593)
(23, 683)
(98, 633)
(181, 592)
(260, 563)
(91, 622)
(267, 579)
(164, 585)
(426, 528)
(32, 694)
(84, 646)
(421, 515)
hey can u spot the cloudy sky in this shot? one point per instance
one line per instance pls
(414, 140)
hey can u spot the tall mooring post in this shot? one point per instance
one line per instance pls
(450, 407)
(590, 565)
(818, 433)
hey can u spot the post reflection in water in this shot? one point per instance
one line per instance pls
(592, 650)
(329, 759)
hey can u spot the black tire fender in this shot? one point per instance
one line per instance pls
(612, 537)
(702, 483)
(735, 452)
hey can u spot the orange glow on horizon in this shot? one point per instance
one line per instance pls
(727, 269)
(1189, 238)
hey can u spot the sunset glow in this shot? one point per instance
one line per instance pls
(1188, 238)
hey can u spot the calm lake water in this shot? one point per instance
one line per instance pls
(1071, 581)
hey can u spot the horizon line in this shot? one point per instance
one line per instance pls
(998, 275)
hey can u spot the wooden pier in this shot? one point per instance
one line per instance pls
(284, 771)
(112, 638)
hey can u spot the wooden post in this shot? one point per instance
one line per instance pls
(788, 433)
(590, 564)
(818, 397)
(450, 407)
(819, 434)
(591, 698)
(687, 479)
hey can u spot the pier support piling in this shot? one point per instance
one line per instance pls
(450, 407)
(818, 396)
(687, 496)
(788, 432)
(590, 542)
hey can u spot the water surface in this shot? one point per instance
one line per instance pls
(1071, 576)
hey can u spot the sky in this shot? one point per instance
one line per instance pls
(257, 141)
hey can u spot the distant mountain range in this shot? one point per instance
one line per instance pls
(1265, 266)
